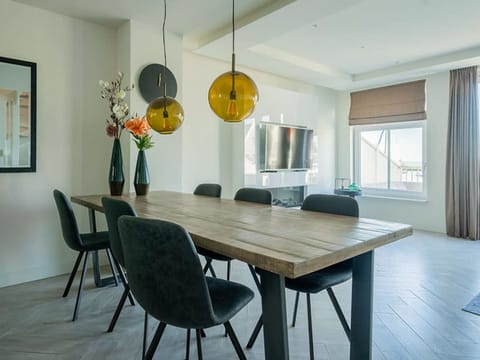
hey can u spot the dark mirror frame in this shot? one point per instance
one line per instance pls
(33, 116)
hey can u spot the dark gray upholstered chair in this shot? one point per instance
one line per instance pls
(113, 209)
(326, 278)
(83, 243)
(260, 196)
(166, 277)
(212, 190)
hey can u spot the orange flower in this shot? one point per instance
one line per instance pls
(138, 126)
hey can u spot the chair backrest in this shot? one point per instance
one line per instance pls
(214, 190)
(261, 196)
(68, 222)
(165, 273)
(332, 204)
(115, 208)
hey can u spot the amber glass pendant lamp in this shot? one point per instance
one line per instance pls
(233, 95)
(164, 114)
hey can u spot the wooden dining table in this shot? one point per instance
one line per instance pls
(282, 243)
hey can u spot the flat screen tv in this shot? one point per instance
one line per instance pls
(283, 147)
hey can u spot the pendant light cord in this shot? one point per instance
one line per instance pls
(233, 94)
(233, 35)
(165, 113)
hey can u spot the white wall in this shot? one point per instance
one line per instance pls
(207, 147)
(213, 149)
(72, 151)
(123, 64)
(426, 215)
(165, 158)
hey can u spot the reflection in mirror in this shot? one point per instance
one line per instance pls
(17, 115)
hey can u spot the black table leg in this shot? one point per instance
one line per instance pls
(362, 307)
(99, 282)
(96, 266)
(274, 316)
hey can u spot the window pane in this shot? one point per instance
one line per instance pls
(406, 166)
(373, 162)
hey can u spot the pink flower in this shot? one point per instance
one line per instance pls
(111, 130)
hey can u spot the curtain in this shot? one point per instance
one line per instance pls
(462, 170)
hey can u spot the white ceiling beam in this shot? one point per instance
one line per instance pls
(273, 22)
(294, 60)
(458, 59)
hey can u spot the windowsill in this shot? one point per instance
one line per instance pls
(391, 197)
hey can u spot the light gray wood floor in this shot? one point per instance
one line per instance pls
(421, 284)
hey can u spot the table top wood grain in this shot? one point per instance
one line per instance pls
(285, 241)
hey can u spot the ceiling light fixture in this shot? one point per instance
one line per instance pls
(164, 114)
(233, 95)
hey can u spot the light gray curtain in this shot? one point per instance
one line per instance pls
(462, 182)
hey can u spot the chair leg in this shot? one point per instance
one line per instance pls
(119, 308)
(339, 311)
(73, 273)
(187, 355)
(234, 340)
(110, 262)
(202, 332)
(124, 280)
(208, 266)
(295, 309)
(212, 271)
(255, 333)
(310, 328)
(145, 336)
(156, 339)
(80, 287)
(255, 278)
(199, 344)
(130, 298)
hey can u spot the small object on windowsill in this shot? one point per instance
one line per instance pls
(342, 183)
(353, 187)
(352, 190)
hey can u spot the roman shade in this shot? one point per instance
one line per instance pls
(403, 102)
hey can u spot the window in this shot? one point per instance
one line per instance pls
(390, 159)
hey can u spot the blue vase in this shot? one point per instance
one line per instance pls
(141, 180)
(116, 177)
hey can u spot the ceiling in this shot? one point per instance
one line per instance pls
(341, 44)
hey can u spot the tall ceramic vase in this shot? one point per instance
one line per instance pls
(116, 177)
(142, 177)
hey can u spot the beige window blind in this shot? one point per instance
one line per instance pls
(403, 102)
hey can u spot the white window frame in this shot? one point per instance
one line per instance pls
(390, 193)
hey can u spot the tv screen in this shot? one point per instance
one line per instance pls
(284, 147)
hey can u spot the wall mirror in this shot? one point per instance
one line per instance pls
(18, 103)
